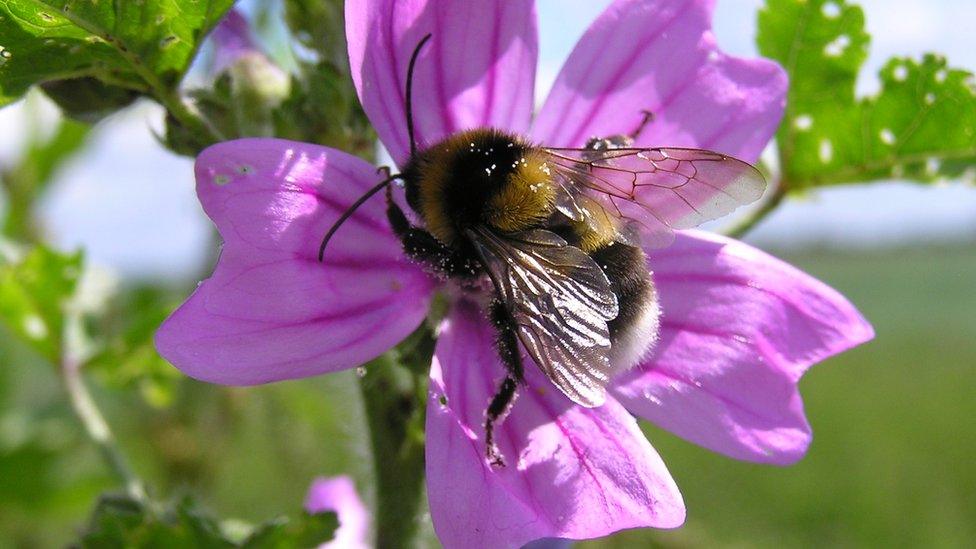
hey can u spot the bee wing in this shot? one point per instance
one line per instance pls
(561, 301)
(654, 191)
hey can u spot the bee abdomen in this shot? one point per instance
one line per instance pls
(635, 330)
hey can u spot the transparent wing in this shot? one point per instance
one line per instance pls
(652, 191)
(561, 301)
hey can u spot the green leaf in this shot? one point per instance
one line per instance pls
(139, 45)
(25, 478)
(921, 126)
(88, 99)
(309, 530)
(121, 522)
(33, 296)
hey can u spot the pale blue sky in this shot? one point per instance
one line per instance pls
(131, 204)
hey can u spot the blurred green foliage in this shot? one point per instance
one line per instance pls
(921, 125)
(34, 296)
(319, 26)
(889, 465)
(121, 522)
(25, 182)
(125, 357)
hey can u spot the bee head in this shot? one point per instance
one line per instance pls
(484, 177)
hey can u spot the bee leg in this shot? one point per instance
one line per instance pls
(500, 404)
(503, 400)
(620, 141)
(422, 246)
(648, 118)
(398, 220)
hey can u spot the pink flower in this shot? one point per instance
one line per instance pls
(232, 41)
(738, 329)
(338, 494)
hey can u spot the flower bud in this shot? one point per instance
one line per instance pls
(257, 85)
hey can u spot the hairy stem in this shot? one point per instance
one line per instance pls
(395, 404)
(98, 431)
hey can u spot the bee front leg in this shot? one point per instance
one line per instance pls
(422, 246)
(505, 397)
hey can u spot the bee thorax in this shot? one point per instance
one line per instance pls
(479, 177)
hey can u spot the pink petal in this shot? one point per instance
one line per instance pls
(661, 56)
(477, 70)
(338, 494)
(271, 311)
(739, 328)
(572, 472)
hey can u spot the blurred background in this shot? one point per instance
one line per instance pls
(892, 459)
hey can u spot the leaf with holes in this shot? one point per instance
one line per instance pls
(33, 297)
(921, 126)
(144, 45)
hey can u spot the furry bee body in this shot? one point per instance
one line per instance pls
(496, 180)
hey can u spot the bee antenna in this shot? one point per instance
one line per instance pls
(409, 98)
(351, 210)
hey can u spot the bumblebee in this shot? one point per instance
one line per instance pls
(558, 233)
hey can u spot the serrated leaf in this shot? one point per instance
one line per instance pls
(33, 295)
(135, 44)
(920, 126)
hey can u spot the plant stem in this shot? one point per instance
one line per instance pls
(200, 125)
(395, 403)
(749, 222)
(98, 431)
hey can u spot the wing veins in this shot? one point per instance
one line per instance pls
(702, 195)
(560, 301)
